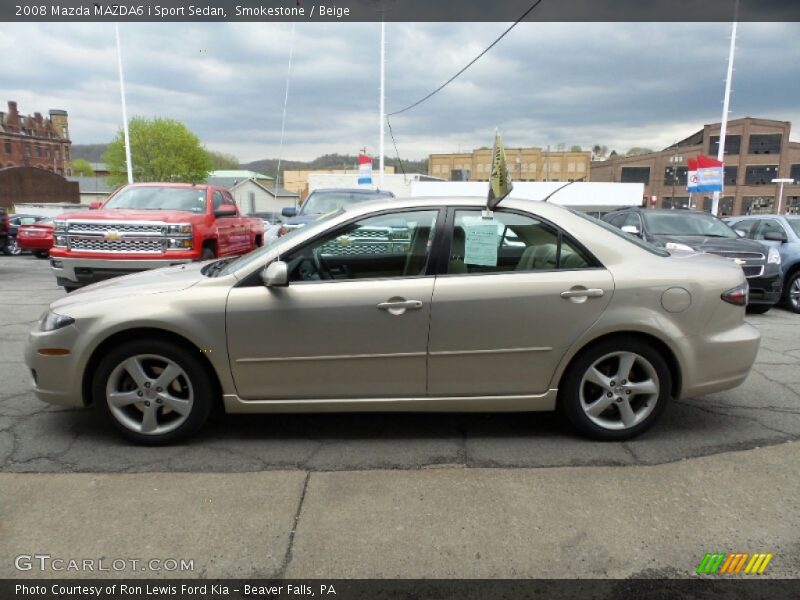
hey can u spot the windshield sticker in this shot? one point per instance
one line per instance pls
(480, 247)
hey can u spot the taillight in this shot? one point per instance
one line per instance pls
(738, 295)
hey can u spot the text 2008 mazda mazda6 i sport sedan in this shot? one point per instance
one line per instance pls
(406, 305)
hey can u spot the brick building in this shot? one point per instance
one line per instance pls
(35, 141)
(756, 152)
(524, 164)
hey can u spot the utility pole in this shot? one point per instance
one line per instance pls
(383, 98)
(125, 132)
(725, 105)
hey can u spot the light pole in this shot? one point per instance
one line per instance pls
(781, 180)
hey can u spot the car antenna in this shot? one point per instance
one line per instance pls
(558, 189)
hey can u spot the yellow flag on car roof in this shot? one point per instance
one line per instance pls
(499, 181)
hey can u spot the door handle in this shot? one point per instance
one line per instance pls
(583, 293)
(400, 305)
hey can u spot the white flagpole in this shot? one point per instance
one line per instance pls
(382, 103)
(128, 161)
(725, 104)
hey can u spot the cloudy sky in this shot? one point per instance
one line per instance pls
(618, 84)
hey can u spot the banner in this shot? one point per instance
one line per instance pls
(709, 174)
(691, 176)
(364, 169)
(499, 181)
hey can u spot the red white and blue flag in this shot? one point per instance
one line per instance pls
(709, 174)
(364, 169)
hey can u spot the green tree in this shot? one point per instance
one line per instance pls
(575, 149)
(82, 168)
(161, 150)
(636, 150)
(222, 161)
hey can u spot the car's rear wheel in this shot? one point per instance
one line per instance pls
(793, 293)
(154, 392)
(12, 246)
(616, 389)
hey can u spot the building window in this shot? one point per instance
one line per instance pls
(8, 146)
(635, 175)
(760, 175)
(675, 175)
(765, 143)
(26, 150)
(794, 173)
(38, 150)
(571, 167)
(729, 178)
(793, 205)
(66, 153)
(733, 144)
(581, 167)
(676, 202)
(757, 205)
(707, 203)
(58, 154)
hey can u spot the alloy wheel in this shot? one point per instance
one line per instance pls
(619, 390)
(794, 294)
(149, 394)
(12, 246)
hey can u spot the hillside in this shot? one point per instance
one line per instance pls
(94, 153)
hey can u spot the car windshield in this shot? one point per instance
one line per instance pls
(160, 198)
(686, 223)
(319, 203)
(246, 260)
(794, 223)
(628, 237)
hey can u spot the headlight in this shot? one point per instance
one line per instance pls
(774, 257)
(51, 321)
(59, 225)
(179, 229)
(676, 246)
(60, 240)
(179, 244)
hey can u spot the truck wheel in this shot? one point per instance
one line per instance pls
(154, 392)
(616, 389)
(12, 246)
(42, 254)
(208, 254)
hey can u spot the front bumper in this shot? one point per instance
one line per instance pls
(765, 290)
(77, 272)
(56, 379)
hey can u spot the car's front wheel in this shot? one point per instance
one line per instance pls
(616, 389)
(153, 391)
(793, 293)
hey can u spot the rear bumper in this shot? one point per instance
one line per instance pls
(77, 272)
(765, 290)
(35, 244)
(720, 361)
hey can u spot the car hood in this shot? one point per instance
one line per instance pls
(124, 214)
(710, 244)
(156, 281)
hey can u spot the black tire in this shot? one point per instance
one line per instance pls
(12, 246)
(201, 386)
(44, 254)
(758, 309)
(793, 285)
(208, 254)
(572, 407)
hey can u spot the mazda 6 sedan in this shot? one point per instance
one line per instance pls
(406, 305)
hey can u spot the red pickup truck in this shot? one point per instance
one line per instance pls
(149, 225)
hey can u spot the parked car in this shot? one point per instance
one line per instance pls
(36, 237)
(698, 231)
(781, 232)
(12, 224)
(323, 201)
(149, 225)
(573, 315)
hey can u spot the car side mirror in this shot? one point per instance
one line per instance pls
(276, 274)
(631, 229)
(289, 211)
(776, 236)
(740, 233)
(95, 204)
(226, 210)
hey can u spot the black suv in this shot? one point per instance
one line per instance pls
(694, 230)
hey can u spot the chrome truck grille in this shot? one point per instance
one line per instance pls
(142, 237)
(753, 265)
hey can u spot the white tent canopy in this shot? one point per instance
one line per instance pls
(587, 196)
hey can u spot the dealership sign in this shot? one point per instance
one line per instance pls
(704, 175)
(364, 169)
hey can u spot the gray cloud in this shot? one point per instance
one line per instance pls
(621, 84)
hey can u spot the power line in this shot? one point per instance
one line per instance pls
(396, 151)
(472, 62)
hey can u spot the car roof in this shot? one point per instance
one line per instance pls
(352, 191)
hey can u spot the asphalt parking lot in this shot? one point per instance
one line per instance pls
(35, 437)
